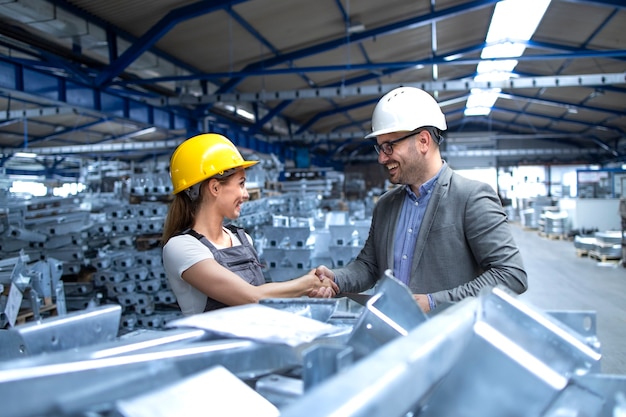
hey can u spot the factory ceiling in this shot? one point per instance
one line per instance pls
(130, 79)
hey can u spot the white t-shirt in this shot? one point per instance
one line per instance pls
(181, 253)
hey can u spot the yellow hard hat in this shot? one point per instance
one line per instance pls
(202, 157)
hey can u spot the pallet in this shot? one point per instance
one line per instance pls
(147, 242)
(254, 193)
(582, 253)
(48, 309)
(603, 258)
(159, 198)
(274, 186)
(554, 236)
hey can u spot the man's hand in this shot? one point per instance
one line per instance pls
(323, 271)
(328, 277)
(422, 301)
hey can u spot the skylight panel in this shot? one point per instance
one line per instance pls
(513, 23)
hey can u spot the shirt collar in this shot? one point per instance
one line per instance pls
(427, 187)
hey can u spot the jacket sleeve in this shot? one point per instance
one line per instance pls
(367, 268)
(488, 235)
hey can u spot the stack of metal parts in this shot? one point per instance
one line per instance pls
(584, 244)
(555, 223)
(608, 244)
(32, 287)
(286, 249)
(292, 245)
(488, 356)
(531, 211)
(154, 185)
(322, 186)
(45, 227)
(254, 213)
(347, 237)
(103, 248)
(40, 240)
(605, 245)
(130, 269)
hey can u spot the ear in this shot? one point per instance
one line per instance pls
(213, 186)
(424, 139)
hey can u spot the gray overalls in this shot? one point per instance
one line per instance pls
(241, 259)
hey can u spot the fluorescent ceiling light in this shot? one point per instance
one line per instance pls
(356, 27)
(142, 132)
(244, 113)
(452, 57)
(513, 21)
(480, 101)
(25, 154)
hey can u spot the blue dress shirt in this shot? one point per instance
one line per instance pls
(409, 222)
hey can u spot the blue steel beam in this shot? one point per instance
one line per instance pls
(398, 65)
(618, 4)
(19, 83)
(112, 32)
(589, 38)
(543, 116)
(281, 106)
(332, 112)
(563, 104)
(356, 37)
(321, 115)
(386, 68)
(258, 125)
(506, 125)
(157, 31)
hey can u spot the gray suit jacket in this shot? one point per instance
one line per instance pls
(464, 243)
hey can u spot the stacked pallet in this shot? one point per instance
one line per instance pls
(602, 246)
(555, 224)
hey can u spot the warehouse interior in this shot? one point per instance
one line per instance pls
(95, 97)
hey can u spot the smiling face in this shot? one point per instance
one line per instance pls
(413, 160)
(405, 162)
(231, 193)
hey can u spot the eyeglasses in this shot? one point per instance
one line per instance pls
(387, 147)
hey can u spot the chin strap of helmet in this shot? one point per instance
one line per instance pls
(193, 192)
(436, 134)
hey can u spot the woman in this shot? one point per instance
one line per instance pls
(210, 265)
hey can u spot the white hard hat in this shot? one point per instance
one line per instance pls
(406, 109)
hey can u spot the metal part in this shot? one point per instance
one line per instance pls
(520, 362)
(490, 355)
(320, 309)
(214, 388)
(59, 333)
(390, 313)
(66, 388)
(362, 299)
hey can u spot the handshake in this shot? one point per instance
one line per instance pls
(323, 283)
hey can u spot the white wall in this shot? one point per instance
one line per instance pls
(592, 213)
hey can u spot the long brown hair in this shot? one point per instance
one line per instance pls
(180, 216)
(182, 211)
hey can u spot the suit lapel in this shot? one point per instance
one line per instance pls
(439, 191)
(392, 222)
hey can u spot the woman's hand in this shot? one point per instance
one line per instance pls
(325, 286)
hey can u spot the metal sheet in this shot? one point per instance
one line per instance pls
(80, 328)
(70, 387)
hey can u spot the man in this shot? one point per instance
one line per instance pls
(445, 236)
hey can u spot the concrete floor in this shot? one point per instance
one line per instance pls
(560, 279)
